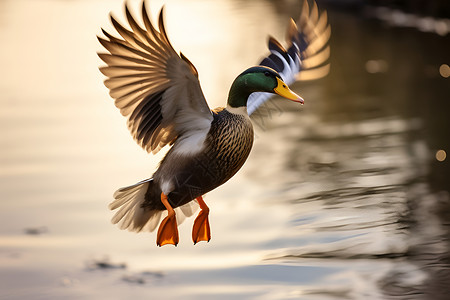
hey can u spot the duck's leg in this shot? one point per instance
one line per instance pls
(168, 231)
(201, 230)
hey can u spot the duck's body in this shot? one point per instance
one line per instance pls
(160, 94)
(185, 176)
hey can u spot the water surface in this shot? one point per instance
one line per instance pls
(342, 198)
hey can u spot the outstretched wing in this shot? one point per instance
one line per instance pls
(306, 56)
(154, 87)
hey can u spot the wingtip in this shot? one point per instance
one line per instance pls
(105, 33)
(111, 17)
(161, 19)
(305, 9)
(126, 7)
(146, 18)
(98, 36)
(276, 43)
(162, 28)
(292, 31)
(104, 42)
(161, 11)
(114, 21)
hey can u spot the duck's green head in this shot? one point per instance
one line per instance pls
(258, 79)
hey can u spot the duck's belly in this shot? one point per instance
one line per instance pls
(226, 149)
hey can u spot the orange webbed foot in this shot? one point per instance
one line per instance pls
(201, 230)
(168, 230)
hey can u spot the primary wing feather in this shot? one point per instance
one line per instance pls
(306, 55)
(154, 87)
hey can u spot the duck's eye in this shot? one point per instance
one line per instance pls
(267, 73)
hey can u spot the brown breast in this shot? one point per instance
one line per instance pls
(227, 147)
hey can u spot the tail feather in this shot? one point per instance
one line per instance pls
(131, 215)
(123, 195)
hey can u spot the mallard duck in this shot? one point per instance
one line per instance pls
(158, 91)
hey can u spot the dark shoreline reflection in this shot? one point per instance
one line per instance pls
(365, 158)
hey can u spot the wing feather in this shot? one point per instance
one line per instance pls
(154, 87)
(307, 53)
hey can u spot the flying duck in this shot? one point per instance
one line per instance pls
(159, 93)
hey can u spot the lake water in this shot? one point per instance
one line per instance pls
(346, 197)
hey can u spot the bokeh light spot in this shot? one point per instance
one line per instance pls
(444, 70)
(441, 155)
(376, 66)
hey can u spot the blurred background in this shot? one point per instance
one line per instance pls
(346, 197)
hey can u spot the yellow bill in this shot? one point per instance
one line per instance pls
(284, 91)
